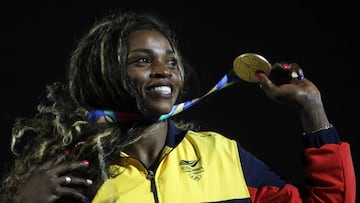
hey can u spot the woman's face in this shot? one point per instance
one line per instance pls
(152, 65)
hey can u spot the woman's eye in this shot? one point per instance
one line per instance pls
(141, 62)
(172, 63)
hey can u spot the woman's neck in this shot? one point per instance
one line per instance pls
(148, 148)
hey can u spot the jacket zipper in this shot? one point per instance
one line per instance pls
(151, 177)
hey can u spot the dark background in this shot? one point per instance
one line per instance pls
(322, 36)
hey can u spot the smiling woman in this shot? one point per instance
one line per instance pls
(128, 70)
(153, 68)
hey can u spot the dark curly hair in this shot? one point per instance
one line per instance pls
(96, 79)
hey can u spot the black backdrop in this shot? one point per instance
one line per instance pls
(37, 37)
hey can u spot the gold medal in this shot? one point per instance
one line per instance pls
(246, 65)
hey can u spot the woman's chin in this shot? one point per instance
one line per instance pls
(160, 110)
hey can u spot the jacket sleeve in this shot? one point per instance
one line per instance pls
(329, 171)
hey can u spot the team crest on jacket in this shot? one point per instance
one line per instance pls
(190, 167)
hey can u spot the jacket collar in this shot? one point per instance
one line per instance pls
(174, 135)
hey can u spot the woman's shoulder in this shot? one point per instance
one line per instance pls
(210, 136)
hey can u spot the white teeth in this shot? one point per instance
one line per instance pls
(162, 89)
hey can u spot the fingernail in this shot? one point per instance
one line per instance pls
(85, 199)
(89, 182)
(286, 66)
(301, 75)
(85, 162)
(257, 74)
(66, 152)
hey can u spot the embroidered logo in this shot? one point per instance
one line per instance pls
(189, 167)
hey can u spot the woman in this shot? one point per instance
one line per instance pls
(98, 137)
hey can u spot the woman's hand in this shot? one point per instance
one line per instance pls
(300, 93)
(48, 183)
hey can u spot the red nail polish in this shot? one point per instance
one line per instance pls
(85, 162)
(286, 66)
(66, 152)
(257, 74)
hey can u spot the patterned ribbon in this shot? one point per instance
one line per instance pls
(109, 116)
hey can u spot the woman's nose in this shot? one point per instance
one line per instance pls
(160, 71)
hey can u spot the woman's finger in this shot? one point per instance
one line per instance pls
(73, 181)
(65, 167)
(70, 193)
